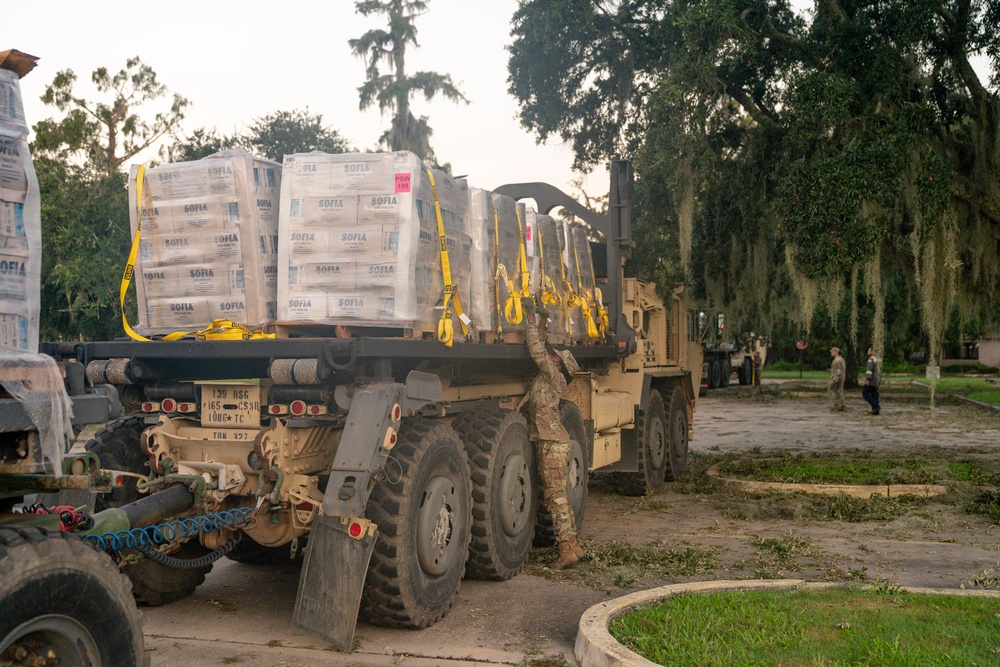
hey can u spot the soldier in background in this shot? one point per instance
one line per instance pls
(552, 450)
(873, 379)
(838, 372)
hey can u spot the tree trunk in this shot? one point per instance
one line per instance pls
(851, 357)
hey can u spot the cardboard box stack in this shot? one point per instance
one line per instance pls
(20, 215)
(489, 214)
(359, 242)
(208, 244)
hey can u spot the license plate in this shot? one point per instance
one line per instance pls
(230, 405)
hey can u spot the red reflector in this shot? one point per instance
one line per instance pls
(396, 413)
(297, 407)
(392, 439)
(169, 405)
(354, 530)
(120, 481)
(305, 507)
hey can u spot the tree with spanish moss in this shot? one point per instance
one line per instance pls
(846, 156)
(388, 85)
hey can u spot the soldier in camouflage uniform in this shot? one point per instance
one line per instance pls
(553, 448)
(838, 372)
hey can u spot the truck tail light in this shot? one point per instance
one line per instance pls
(168, 405)
(150, 406)
(297, 408)
(277, 409)
(317, 410)
(186, 408)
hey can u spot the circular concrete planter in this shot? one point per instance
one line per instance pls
(595, 647)
(854, 490)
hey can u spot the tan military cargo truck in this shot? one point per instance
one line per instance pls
(396, 465)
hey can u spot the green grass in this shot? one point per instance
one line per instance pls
(975, 388)
(835, 471)
(831, 628)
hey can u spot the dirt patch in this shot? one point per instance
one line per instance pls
(688, 532)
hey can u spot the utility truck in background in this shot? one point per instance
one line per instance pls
(396, 466)
(722, 354)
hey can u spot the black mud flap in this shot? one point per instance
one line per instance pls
(333, 577)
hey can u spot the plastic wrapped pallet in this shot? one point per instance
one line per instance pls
(548, 271)
(580, 267)
(572, 308)
(11, 105)
(359, 242)
(489, 214)
(20, 224)
(208, 245)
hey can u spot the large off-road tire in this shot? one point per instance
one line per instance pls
(59, 594)
(679, 435)
(504, 491)
(727, 374)
(654, 445)
(117, 446)
(745, 371)
(714, 374)
(424, 521)
(577, 476)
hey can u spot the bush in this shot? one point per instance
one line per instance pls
(976, 368)
(902, 368)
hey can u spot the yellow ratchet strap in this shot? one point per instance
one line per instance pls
(446, 326)
(217, 330)
(586, 306)
(140, 178)
(602, 312)
(513, 310)
(550, 295)
(222, 330)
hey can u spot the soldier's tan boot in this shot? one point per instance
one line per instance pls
(570, 553)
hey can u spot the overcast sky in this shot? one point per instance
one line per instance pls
(239, 60)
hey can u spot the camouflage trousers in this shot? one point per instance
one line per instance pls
(837, 398)
(553, 459)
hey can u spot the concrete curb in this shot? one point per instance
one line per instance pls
(963, 399)
(595, 647)
(853, 490)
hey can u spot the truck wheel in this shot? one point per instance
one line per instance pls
(727, 374)
(117, 446)
(653, 456)
(746, 371)
(424, 521)
(504, 492)
(577, 476)
(679, 436)
(59, 595)
(714, 374)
